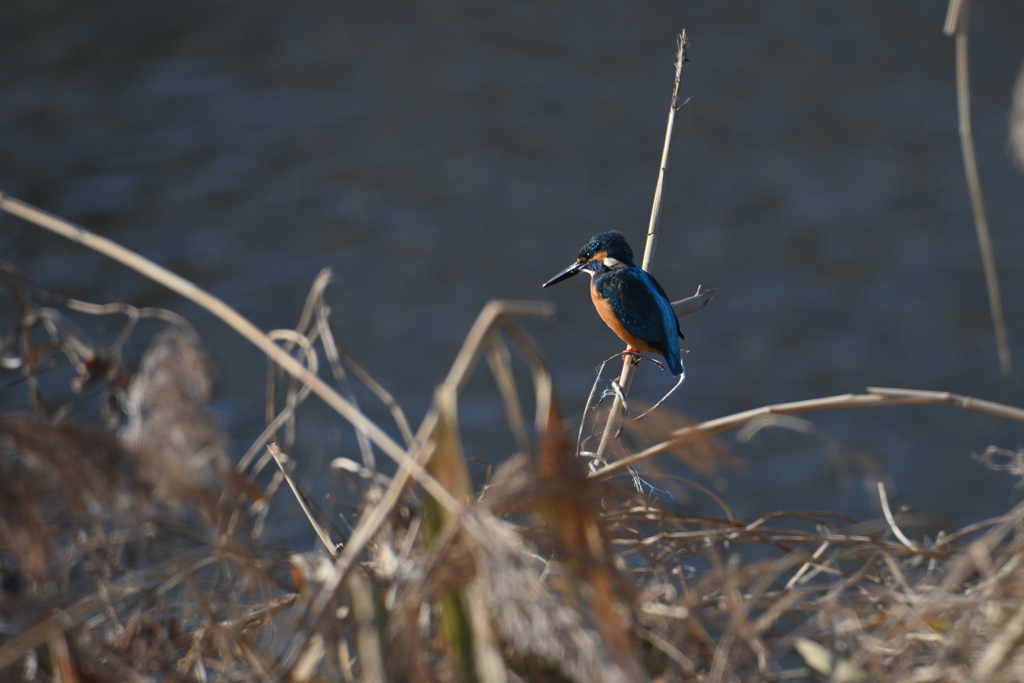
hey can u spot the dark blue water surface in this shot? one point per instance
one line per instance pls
(438, 155)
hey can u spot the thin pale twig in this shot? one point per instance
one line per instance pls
(682, 377)
(910, 545)
(874, 398)
(956, 24)
(590, 401)
(303, 500)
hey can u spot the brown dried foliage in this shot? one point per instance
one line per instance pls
(137, 553)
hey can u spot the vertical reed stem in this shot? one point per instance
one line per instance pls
(626, 377)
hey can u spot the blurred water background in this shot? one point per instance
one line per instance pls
(440, 154)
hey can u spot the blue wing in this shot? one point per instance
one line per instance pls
(641, 306)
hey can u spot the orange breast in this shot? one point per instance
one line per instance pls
(604, 309)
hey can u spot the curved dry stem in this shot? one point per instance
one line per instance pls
(590, 402)
(240, 324)
(874, 398)
(956, 24)
(664, 398)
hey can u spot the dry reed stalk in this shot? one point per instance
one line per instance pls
(957, 25)
(626, 377)
(237, 322)
(602, 583)
(1017, 120)
(874, 398)
(592, 579)
(495, 313)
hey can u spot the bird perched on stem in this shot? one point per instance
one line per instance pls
(628, 298)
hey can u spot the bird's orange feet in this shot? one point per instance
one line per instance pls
(632, 354)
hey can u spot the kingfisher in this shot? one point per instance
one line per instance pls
(628, 298)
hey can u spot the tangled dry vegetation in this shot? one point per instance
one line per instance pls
(132, 549)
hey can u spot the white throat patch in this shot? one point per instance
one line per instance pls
(613, 263)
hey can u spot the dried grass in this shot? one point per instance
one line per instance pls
(132, 550)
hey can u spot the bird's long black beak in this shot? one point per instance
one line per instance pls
(565, 274)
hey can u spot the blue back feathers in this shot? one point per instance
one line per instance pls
(643, 309)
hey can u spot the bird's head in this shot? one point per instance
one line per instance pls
(607, 251)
